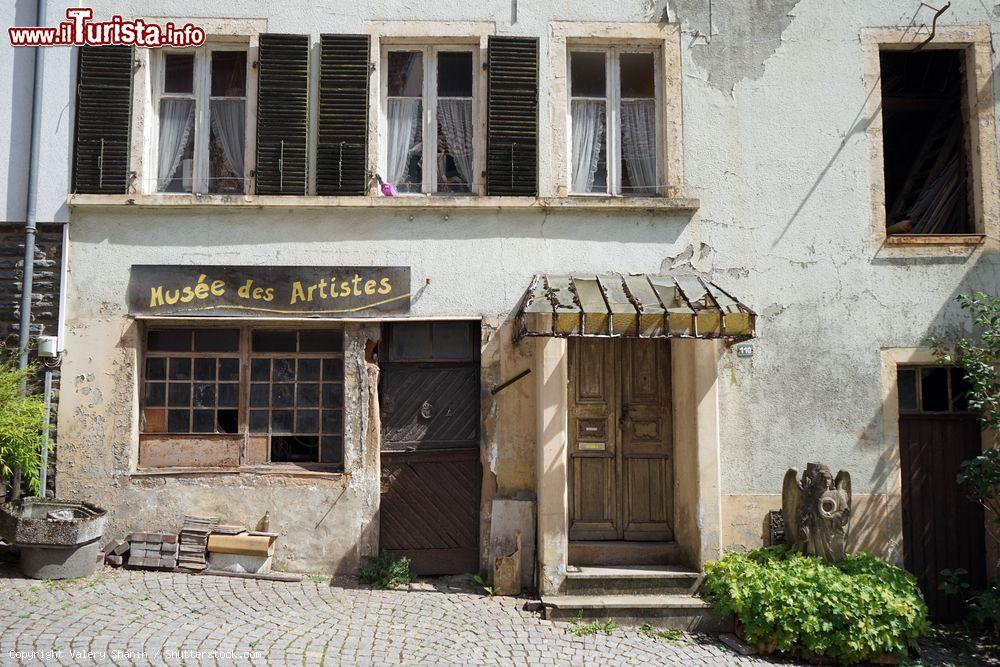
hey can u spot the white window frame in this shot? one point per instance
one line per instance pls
(612, 115)
(429, 185)
(201, 94)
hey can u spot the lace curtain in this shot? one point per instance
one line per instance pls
(455, 121)
(404, 121)
(587, 117)
(639, 146)
(176, 124)
(229, 127)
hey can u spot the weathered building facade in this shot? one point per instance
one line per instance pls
(745, 160)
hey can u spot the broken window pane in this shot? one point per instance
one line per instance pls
(923, 136)
(295, 449)
(228, 421)
(906, 381)
(934, 389)
(204, 395)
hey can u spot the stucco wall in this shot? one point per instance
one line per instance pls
(774, 148)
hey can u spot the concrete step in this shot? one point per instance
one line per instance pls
(611, 552)
(630, 579)
(686, 612)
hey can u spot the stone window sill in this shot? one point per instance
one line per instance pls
(935, 239)
(290, 470)
(582, 203)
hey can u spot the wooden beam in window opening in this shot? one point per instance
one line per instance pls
(283, 115)
(103, 118)
(342, 147)
(512, 116)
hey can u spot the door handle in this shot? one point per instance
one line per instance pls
(626, 414)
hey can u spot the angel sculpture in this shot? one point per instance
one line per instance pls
(817, 511)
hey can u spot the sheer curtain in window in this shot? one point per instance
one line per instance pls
(403, 117)
(588, 140)
(176, 125)
(639, 145)
(455, 121)
(229, 126)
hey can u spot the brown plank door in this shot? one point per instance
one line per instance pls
(431, 472)
(942, 529)
(620, 440)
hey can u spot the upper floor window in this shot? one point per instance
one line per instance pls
(200, 105)
(924, 142)
(430, 111)
(613, 122)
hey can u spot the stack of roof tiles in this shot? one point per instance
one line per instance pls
(194, 542)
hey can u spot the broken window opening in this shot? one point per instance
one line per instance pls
(932, 389)
(924, 142)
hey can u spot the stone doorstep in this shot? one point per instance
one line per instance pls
(686, 612)
(629, 579)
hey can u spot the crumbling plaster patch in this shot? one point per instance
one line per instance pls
(730, 41)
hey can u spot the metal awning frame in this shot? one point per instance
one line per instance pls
(645, 320)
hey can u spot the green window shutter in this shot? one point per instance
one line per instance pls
(512, 120)
(342, 146)
(103, 119)
(283, 115)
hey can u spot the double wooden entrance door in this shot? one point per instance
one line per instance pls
(620, 440)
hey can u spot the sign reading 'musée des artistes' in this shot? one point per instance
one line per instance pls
(275, 291)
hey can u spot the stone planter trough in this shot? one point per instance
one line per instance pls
(58, 539)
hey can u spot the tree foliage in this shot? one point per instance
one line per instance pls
(20, 423)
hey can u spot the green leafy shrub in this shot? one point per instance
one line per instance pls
(984, 609)
(384, 571)
(855, 610)
(20, 423)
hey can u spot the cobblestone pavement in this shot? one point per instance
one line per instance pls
(128, 617)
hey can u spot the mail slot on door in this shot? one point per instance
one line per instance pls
(592, 446)
(591, 429)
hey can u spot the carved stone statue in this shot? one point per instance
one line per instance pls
(817, 511)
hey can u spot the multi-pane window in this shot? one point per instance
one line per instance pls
(430, 111)
(613, 122)
(285, 386)
(200, 102)
(932, 389)
(297, 394)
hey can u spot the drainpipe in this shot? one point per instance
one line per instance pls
(30, 219)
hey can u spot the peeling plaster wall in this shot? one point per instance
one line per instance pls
(774, 147)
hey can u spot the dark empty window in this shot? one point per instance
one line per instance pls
(932, 389)
(924, 137)
(284, 385)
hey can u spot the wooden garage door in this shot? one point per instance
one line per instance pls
(942, 529)
(431, 474)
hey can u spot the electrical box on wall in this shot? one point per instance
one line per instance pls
(48, 347)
